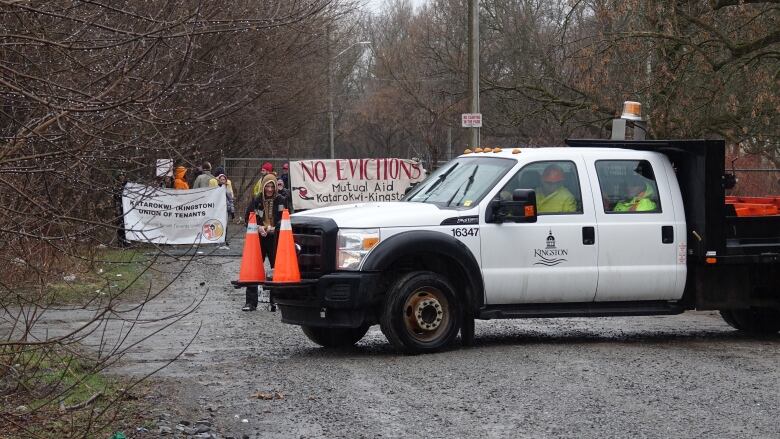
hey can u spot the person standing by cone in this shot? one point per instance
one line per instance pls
(268, 206)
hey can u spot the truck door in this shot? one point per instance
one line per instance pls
(554, 259)
(637, 254)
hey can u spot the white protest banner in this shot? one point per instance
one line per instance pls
(170, 216)
(320, 183)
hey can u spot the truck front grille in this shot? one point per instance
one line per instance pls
(311, 260)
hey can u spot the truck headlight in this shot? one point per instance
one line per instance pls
(353, 246)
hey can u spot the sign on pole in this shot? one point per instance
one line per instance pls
(471, 120)
(165, 167)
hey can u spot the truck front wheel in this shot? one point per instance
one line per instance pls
(755, 320)
(335, 337)
(421, 313)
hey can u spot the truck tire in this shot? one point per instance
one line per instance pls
(335, 337)
(753, 320)
(421, 313)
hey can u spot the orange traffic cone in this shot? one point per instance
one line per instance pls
(252, 268)
(286, 264)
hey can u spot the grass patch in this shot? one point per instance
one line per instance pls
(111, 272)
(70, 379)
(42, 397)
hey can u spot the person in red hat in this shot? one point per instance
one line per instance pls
(266, 169)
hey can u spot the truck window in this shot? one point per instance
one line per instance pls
(461, 183)
(556, 184)
(628, 186)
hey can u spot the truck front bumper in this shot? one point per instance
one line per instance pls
(336, 300)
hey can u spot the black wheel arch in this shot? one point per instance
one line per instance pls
(434, 251)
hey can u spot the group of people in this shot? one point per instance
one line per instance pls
(200, 177)
(282, 181)
(270, 196)
(270, 192)
(203, 177)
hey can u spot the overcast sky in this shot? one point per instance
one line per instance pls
(376, 5)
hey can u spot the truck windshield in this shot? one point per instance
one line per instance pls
(462, 182)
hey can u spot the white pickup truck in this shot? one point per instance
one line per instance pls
(600, 228)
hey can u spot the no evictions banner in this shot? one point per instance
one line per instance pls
(170, 216)
(320, 183)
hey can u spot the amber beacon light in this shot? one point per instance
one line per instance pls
(632, 110)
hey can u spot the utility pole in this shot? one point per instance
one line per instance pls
(474, 66)
(331, 133)
(330, 101)
(330, 114)
(449, 143)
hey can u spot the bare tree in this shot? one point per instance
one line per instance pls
(92, 91)
(552, 68)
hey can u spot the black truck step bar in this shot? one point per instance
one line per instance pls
(584, 309)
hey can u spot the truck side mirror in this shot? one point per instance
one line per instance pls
(521, 209)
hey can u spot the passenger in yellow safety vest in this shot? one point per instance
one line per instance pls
(639, 196)
(552, 196)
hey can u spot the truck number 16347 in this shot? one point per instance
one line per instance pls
(465, 231)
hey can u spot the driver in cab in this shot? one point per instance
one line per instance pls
(552, 196)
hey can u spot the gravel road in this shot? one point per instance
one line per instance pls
(673, 376)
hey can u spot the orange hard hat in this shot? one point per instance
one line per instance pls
(553, 174)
